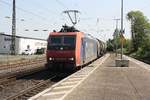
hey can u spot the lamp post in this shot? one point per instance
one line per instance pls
(121, 33)
(122, 62)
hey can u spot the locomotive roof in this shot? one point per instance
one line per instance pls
(66, 28)
(65, 33)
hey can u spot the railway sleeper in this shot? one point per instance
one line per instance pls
(26, 95)
(33, 92)
(23, 98)
(6, 81)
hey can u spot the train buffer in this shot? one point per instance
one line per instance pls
(104, 82)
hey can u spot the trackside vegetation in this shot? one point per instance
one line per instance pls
(139, 44)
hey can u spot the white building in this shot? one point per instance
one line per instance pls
(22, 44)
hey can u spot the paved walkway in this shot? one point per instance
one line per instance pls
(114, 83)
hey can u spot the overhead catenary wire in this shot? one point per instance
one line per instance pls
(29, 12)
(45, 9)
(26, 11)
(62, 4)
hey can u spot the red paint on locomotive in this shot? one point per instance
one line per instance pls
(64, 55)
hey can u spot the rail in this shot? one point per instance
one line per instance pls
(25, 94)
(22, 63)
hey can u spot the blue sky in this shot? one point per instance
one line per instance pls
(47, 14)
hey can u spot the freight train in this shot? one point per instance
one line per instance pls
(72, 49)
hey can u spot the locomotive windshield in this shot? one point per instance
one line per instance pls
(56, 40)
(69, 40)
(61, 42)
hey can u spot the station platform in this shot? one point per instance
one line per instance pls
(103, 81)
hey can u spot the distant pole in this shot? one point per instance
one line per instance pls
(115, 35)
(121, 33)
(13, 45)
(117, 22)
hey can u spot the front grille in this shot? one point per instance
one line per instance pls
(61, 48)
(61, 59)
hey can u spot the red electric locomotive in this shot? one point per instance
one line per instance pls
(71, 48)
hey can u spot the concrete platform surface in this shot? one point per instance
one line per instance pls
(108, 82)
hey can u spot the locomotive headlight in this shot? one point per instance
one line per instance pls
(71, 59)
(50, 58)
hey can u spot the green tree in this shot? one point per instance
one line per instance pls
(138, 24)
(127, 45)
(144, 50)
(140, 32)
(116, 38)
(110, 45)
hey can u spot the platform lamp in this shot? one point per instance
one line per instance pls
(121, 32)
(122, 62)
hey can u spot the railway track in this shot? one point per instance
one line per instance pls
(6, 80)
(22, 63)
(23, 80)
(21, 69)
(27, 93)
(13, 88)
